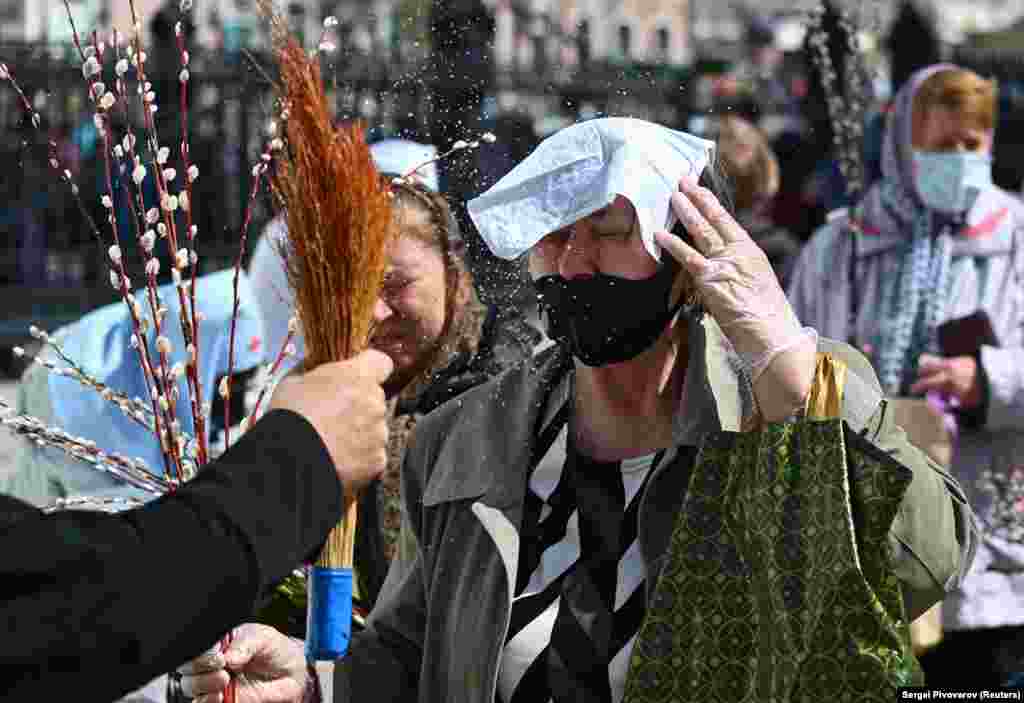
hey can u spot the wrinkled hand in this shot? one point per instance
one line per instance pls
(955, 376)
(740, 290)
(345, 402)
(269, 666)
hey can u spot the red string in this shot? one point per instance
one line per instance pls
(229, 692)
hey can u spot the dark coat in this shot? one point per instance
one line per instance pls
(489, 341)
(485, 341)
(437, 631)
(95, 605)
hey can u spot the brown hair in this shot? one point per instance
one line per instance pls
(960, 90)
(748, 162)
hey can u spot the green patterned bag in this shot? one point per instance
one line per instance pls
(778, 584)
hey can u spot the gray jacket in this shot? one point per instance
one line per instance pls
(437, 631)
(987, 274)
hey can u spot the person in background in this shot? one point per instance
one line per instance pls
(442, 340)
(266, 267)
(924, 274)
(541, 504)
(100, 344)
(753, 171)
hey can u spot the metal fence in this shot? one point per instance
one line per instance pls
(51, 269)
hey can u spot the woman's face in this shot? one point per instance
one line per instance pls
(738, 141)
(944, 129)
(607, 241)
(410, 312)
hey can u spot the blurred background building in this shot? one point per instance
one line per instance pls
(441, 70)
(670, 31)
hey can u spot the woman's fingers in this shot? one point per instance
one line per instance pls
(688, 257)
(939, 381)
(702, 233)
(711, 213)
(927, 363)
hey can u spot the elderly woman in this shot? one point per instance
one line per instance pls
(925, 275)
(542, 503)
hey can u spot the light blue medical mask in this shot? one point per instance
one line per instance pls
(949, 181)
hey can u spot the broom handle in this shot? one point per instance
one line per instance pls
(342, 536)
(329, 610)
(348, 525)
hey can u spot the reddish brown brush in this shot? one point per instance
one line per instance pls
(339, 219)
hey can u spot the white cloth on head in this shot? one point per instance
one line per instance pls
(579, 170)
(400, 156)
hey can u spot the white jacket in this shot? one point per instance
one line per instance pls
(987, 274)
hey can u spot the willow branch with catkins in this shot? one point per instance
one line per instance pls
(159, 221)
(105, 101)
(132, 408)
(846, 95)
(338, 211)
(133, 471)
(64, 174)
(258, 172)
(287, 350)
(1004, 517)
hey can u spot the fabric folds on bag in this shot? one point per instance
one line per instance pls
(778, 584)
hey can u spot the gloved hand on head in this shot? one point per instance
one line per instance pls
(738, 287)
(587, 166)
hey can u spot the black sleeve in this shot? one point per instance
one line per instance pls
(97, 605)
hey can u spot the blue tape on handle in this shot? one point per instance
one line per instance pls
(329, 613)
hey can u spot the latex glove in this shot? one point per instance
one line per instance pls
(955, 376)
(269, 667)
(345, 402)
(739, 288)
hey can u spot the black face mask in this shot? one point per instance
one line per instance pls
(606, 319)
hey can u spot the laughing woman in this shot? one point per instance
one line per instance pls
(431, 323)
(543, 503)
